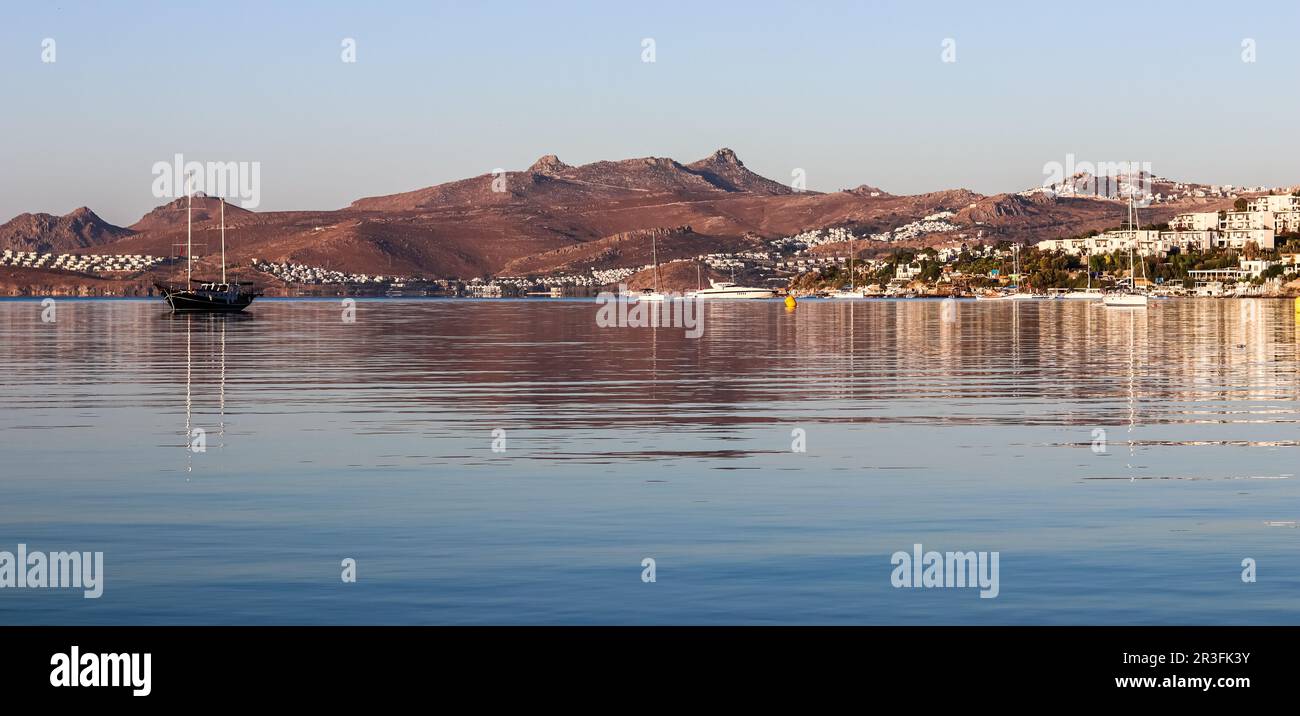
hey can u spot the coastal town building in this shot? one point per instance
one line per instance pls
(1241, 220)
(1239, 238)
(1146, 242)
(1195, 221)
(1260, 223)
(300, 273)
(79, 263)
(1286, 222)
(1274, 203)
(907, 272)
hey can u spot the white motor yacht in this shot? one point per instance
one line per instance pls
(727, 290)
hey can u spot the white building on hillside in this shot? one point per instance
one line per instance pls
(906, 272)
(1147, 242)
(1195, 221)
(1286, 222)
(1274, 203)
(1238, 238)
(1185, 241)
(1237, 220)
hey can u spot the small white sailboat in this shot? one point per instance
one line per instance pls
(1090, 294)
(853, 291)
(1087, 294)
(699, 285)
(647, 294)
(1129, 298)
(1013, 296)
(1125, 300)
(1013, 293)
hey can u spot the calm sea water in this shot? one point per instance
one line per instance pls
(373, 440)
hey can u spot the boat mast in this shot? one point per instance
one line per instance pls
(1136, 228)
(1015, 253)
(189, 235)
(853, 286)
(1132, 247)
(223, 239)
(654, 256)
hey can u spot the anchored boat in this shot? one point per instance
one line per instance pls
(1130, 298)
(211, 297)
(727, 290)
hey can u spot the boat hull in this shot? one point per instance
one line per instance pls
(1011, 297)
(201, 302)
(642, 297)
(1079, 296)
(729, 295)
(1125, 301)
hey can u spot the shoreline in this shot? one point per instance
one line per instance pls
(779, 300)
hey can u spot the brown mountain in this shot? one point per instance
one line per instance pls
(724, 170)
(554, 217)
(206, 210)
(45, 233)
(550, 182)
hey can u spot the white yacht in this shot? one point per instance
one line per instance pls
(1087, 294)
(728, 290)
(1012, 293)
(853, 291)
(1130, 298)
(645, 294)
(648, 294)
(1125, 300)
(1014, 296)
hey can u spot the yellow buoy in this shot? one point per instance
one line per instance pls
(790, 303)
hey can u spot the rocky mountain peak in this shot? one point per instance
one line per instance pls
(725, 156)
(549, 164)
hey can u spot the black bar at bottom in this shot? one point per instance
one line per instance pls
(207, 665)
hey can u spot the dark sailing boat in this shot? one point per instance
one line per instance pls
(213, 297)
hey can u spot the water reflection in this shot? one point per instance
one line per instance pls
(212, 328)
(373, 438)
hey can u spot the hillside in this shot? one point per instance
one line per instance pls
(45, 233)
(553, 217)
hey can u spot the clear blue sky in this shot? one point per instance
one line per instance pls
(850, 92)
